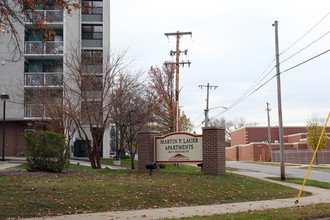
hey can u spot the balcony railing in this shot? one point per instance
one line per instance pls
(43, 79)
(34, 110)
(40, 47)
(48, 16)
(39, 111)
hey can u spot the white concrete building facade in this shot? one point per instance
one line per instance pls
(42, 65)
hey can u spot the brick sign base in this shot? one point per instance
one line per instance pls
(214, 155)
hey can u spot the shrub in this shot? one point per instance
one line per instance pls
(46, 151)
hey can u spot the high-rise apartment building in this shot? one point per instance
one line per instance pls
(41, 67)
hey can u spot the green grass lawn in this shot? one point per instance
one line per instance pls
(70, 166)
(113, 190)
(300, 181)
(300, 212)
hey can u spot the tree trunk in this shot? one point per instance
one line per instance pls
(92, 160)
(317, 161)
(121, 145)
(130, 148)
(132, 161)
(117, 142)
(98, 158)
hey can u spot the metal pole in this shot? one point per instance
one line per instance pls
(177, 80)
(3, 130)
(280, 120)
(269, 132)
(207, 102)
(207, 106)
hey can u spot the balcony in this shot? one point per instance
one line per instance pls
(43, 79)
(49, 16)
(42, 111)
(43, 48)
(34, 111)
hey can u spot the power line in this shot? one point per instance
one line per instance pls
(306, 47)
(305, 61)
(197, 118)
(305, 33)
(257, 81)
(247, 94)
(239, 101)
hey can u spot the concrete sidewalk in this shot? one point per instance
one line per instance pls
(11, 162)
(15, 161)
(319, 196)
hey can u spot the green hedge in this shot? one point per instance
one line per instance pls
(46, 151)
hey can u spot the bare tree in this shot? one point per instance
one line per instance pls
(46, 103)
(90, 85)
(85, 101)
(133, 111)
(230, 125)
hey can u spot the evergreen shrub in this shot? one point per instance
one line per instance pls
(46, 151)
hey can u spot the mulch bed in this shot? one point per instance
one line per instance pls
(25, 173)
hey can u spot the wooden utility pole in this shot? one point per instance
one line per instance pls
(269, 131)
(177, 64)
(207, 102)
(279, 101)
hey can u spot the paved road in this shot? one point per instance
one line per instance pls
(290, 171)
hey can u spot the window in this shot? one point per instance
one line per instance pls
(93, 7)
(92, 32)
(92, 57)
(92, 83)
(91, 111)
(50, 68)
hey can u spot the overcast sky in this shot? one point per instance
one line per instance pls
(232, 44)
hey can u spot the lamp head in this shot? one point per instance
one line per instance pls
(4, 96)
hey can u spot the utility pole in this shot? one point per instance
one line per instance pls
(269, 131)
(280, 120)
(177, 64)
(207, 102)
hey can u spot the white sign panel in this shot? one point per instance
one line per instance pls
(179, 148)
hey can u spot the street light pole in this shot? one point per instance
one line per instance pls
(4, 97)
(207, 102)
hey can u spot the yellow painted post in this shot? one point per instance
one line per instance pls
(310, 166)
(260, 158)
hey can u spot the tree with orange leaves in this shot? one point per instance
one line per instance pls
(161, 86)
(14, 13)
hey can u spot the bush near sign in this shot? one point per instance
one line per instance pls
(179, 147)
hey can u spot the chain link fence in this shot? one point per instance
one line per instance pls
(302, 156)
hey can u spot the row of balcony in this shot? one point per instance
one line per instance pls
(56, 16)
(49, 16)
(43, 79)
(47, 47)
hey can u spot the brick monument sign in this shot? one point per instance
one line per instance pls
(181, 147)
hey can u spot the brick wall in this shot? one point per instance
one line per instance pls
(238, 137)
(214, 156)
(146, 148)
(294, 138)
(232, 153)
